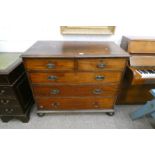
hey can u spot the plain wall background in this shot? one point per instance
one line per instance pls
(22, 22)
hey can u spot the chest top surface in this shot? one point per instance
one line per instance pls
(9, 61)
(74, 49)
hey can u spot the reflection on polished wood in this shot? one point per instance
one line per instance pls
(74, 49)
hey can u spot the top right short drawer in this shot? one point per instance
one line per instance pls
(101, 64)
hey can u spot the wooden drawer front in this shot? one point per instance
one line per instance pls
(49, 64)
(88, 90)
(83, 77)
(101, 64)
(6, 91)
(75, 103)
(8, 102)
(11, 111)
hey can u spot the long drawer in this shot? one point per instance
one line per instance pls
(101, 64)
(75, 103)
(49, 64)
(77, 77)
(75, 90)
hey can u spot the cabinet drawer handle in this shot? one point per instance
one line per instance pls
(52, 77)
(100, 77)
(41, 106)
(2, 92)
(96, 105)
(5, 101)
(97, 91)
(101, 65)
(55, 91)
(51, 66)
(55, 104)
(9, 110)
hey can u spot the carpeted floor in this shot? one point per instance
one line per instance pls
(120, 120)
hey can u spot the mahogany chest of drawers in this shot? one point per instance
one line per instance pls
(15, 94)
(75, 76)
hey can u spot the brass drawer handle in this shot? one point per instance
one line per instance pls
(51, 66)
(101, 65)
(2, 92)
(100, 77)
(55, 91)
(5, 101)
(41, 106)
(97, 91)
(55, 104)
(52, 77)
(96, 105)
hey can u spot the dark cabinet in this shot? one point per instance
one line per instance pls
(15, 94)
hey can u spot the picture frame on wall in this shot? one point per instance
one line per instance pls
(87, 30)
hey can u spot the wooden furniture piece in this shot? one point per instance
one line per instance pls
(88, 30)
(75, 76)
(15, 94)
(140, 74)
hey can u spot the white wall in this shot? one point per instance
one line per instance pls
(22, 22)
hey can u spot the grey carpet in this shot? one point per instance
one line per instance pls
(121, 120)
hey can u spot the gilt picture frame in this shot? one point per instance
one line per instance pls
(87, 30)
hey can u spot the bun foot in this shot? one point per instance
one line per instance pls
(41, 114)
(6, 119)
(25, 119)
(110, 113)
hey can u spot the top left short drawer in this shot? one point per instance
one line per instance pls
(49, 64)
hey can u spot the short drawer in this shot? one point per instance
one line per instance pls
(6, 91)
(77, 77)
(8, 102)
(11, 111)
(75, 103)
(101, 64)
(75, 90)
(49, 64)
